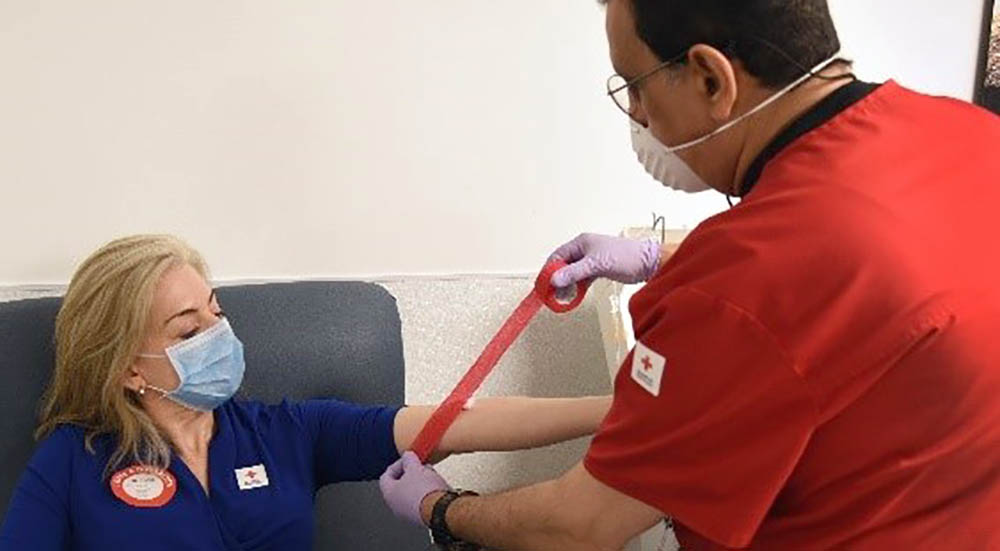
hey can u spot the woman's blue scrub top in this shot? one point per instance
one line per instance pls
(64, 502)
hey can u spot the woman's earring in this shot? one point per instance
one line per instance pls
(142, 391)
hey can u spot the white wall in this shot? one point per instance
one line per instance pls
(335, 138)
(929, 45)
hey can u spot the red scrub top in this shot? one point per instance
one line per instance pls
(819, 367)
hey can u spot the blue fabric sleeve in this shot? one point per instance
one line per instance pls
(350, 442)
(38, 516)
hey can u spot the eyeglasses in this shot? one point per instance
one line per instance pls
(625, 93)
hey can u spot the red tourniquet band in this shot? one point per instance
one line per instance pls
(446, 413)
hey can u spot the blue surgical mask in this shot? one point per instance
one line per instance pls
(209, 365)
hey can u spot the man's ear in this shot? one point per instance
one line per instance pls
(716, 80)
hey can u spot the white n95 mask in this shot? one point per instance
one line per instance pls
(663, 163)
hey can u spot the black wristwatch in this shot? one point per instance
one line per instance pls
(440, 533)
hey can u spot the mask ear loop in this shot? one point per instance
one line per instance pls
(163, 393)
(803, 68)
(141, 393)
(142, 389)
(813, 73)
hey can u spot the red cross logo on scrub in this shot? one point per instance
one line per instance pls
(646, 363)
(647, 368)
(254, 476)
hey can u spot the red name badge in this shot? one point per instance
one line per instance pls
(144, 486)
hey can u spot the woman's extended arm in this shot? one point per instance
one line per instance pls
(504, 424)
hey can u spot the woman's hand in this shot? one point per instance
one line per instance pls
(505, 424)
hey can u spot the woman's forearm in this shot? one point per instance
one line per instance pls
(504, 424)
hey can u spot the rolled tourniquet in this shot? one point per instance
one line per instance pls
(446, 413)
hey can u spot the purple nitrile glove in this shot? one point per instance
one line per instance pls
(406, 483)
(591, 255)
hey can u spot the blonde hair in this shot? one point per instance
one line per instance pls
(99, 330)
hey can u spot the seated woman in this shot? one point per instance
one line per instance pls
(144, 448)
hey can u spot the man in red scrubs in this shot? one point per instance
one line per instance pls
(819, 366)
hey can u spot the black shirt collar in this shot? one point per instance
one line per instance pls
(828, 108)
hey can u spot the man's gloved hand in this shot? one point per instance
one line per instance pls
(617, 258)
(406, 483)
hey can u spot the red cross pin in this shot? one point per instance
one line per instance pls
(646, 364)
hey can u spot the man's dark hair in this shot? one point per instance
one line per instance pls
(777, 40)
